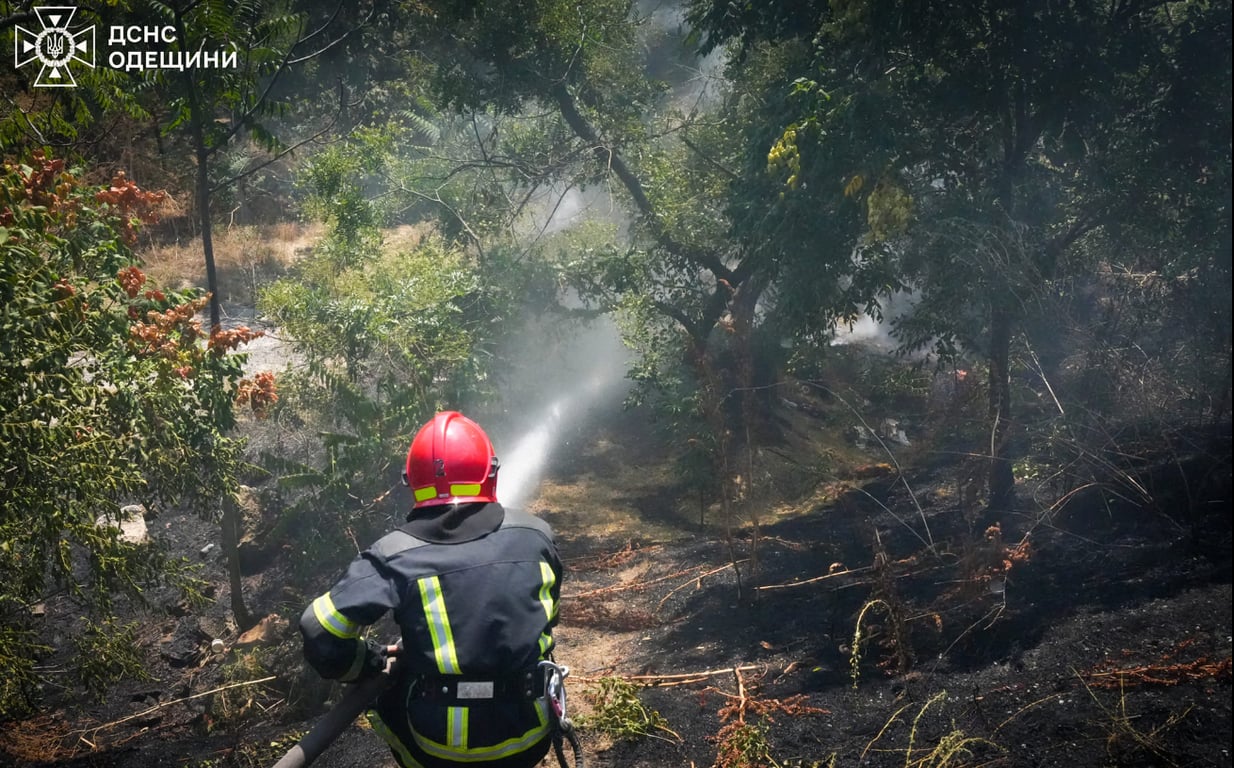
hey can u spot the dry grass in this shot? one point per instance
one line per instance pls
(1168, 669)
(406, 237)
(245, 258)
(36, 739)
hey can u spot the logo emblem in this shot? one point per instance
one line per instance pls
(54, 46)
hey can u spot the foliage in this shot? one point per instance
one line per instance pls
(858, 638)
(106, 653)
(254, 755)
(743, 745)
(962, 117)
(234, 707)
(109, 391)
(588, 47)
(618, 712)
(995, 155)
(388, 336)
(259, 755)
(18, 646)
(334, 181)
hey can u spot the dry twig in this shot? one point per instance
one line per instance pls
(676, 679)
(635, 585)
(697, 580)
(95, 729)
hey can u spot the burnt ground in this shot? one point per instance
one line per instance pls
(1098, 651)
(1085, 633)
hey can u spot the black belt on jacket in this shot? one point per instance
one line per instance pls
(468, 689)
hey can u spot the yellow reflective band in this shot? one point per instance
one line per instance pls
(334, 622)
(547, 580)
(393, 741)
(456, 726)
(497, 751)
(438, 625)
(465, 489)
(426, 493)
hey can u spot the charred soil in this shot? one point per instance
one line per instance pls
(885, 622)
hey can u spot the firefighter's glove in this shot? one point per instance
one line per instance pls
(374, 660)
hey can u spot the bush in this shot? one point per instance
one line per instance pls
(108, 390)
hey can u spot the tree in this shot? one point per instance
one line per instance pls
(990, 145)
(242, 74)
(109, 391)
(583, 62)
(215, 105)
(389, 333)
(539, 101)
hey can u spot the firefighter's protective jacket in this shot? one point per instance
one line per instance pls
(474, 590)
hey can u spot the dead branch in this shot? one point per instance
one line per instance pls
(637, 585)
(815, 579)
(697, 580)
(742, 700)
(95, 729)
(675, 679)
(1161, 673)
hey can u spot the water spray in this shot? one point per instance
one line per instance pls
(594, 376)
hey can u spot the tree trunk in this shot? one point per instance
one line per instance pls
(203, 215)
(1001, 480)
(197, 120)
(232, 524)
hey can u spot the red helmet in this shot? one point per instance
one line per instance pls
(451, 461)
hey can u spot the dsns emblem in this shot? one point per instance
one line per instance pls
(54, 46)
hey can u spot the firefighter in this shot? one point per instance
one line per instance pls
(474, 590)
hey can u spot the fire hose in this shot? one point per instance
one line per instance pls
(362, 695)
(330, 727)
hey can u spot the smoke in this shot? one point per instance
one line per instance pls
(694, 82)
(875, 334)
(562, 207)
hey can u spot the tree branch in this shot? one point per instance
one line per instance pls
(15, 19)
(710, 160)
(282, 153)
(611, 159)
(333, 42)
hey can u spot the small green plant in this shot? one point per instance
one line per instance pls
(954, 748)
(894, 384)
(19, 650)
(854, 660)
(742, 742)
(261, 754)
(618, 712)
(1029, 468)
(237, 705)
(744, 745)
(898, 638)
(105, 653)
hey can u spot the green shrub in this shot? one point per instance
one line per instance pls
(618, 712)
